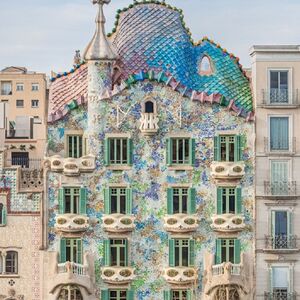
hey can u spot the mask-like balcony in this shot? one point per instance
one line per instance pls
(71, 223)
(281, 243)
(180, 275)
(149, 123)
(227, 171)
(118, 275)
(280, 294)
(228, 223)
(71, 166)
(280, 189)
(181, 223)
(118, 223)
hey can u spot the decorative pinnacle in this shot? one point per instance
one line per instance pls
(100, 48)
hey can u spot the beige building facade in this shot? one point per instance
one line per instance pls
(276, 84)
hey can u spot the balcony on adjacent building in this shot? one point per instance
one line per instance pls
(280, 295)
(181, 223)
(118, 275)
(227, 171)
(288, 148)
(180, 275)
(71, 223)
(149, 123)
(118, 223)
(228, 223)
(281, 243)
(280, 189)
(280, 98)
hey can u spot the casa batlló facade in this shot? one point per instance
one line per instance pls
(149, 168)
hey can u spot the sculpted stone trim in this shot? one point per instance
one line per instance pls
(118, 223)
(71, 223)
(180, 275)
(181, 223)
(228, 223)
(227, 171)
(118, 275)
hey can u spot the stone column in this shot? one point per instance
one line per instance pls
(3, 254)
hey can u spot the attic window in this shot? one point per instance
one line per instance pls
(149, 107)
(205, 67)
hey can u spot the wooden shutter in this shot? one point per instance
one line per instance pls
(170, 201)
(191, 253)
(189, 294)
(237, 251)
(191, 208)
(79, 251)
(167, 295)
(83, 194)
(238, 200)
(107, 201)
(61, 201)
(128, 201)
(106, 244)
(171, 252)
(169, 151)
(62, 256)
(218, 258)
(107, 152)
(4, 216)
(192, 148)
(105, 294)
(237, 148)
(129, 151)
(130, 295)
(217, 149)
(126, 253)
(219, 201)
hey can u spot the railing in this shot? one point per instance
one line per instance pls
(285, 188)
(280, 295)
(149, 122)
(234, 269)
(276, 97)
(71, 267)
(18, 134)
(281, 242)
(291, 147)
(27, 163)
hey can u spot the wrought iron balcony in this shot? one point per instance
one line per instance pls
(228, 223)
(180, 275)
(283, 189)
(149, 123)
(118, 275)
(280, 295)
(281, 242)
(181, 223)
(280, 97)
(24, 162)
(280, 148)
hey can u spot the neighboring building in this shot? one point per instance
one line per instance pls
(22, 146)
(150, 167)
(276, 84)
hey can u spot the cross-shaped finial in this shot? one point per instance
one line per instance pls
(101, 1)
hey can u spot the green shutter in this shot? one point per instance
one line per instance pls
(189, 295)
(130, 295)
(238, 199)
(107, 152)
(191, 253)
(217, 149)
(83, 194)
(129, 151)
(126, 253)
(167, 295)
(104, 294)
(237, 251)
(128, 201)
(191, 208)
(61, 201)
(106, 244)
(169, 151)
(218, 257)
(107, 201)
(237, 148)
(4, 216)
(170, 201)
(219, 201)
(62, 256)
(79, 251)
(192, 153)
(171, 252)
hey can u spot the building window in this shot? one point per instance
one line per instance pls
(20, 159)
(280, 282)
(228, 250)
(72, 200)
(181, 252)
(20, 103)
(281, 229)
(70, 292)
(279, 91)
(74, 146)
(116, 252)
(35, 87)
(178, 295)
(118, 201)
(205, 67)
(279, 177)
(20, 87)
(71, 250)
(229, 200)
(118, 151)
(2, 214)
(6, 88)
(34, 103)
(181, 200)
(180, 151)
(149, 107)
(11, 262)
(279, 133)
(117, 294)
(228, 148)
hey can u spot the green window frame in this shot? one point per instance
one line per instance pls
(228, 250)
(229, 200)
(180, 151)
(178, 294)
(118, 151)
(181, 200)
(118, 200)
(72, 200)
(181, 252)
(71, 250)
(74, 145)
(228, 147)
(116, 252)
(3, 214)
(117, 294)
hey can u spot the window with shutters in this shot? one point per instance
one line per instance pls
(11, 262)
(71, 250)
(181, 200)
(118, 201)
(180, 151)
(74, 145)
(281, 229)
(280, 177)
(72, 200)
(228, 200)
(279, 87)
(279, 134)
(181, 252)
(70, 292)
(179, 295)
(117, 294)
(228, 250)
(118, 151)
(281, 281)
(117, 252)
(2, 214)
(228, 148)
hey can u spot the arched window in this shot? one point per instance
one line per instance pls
(149, 107)
(70, 292)
(11, 262)
(205, 67)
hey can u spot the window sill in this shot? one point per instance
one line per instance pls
(180, 168)
(9, 276)
(119, 167)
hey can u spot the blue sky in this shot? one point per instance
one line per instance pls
(44, 34)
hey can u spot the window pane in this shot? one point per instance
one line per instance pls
(231, 204)
(231, 254)
(113, 204)
(185, 256)
(279, 131)
(223, 151)
(122, 204)
(186, 151)
(113, 252)
(180, 151)
(184, 204)
(231, 151)
(124, 153)
(118, 154)
(112, 150)
(274, 80)
(67, 204)
(176, 204)
(177, 260)
(284, 80)
(280, 277)
(122, 256)
(281, 223)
